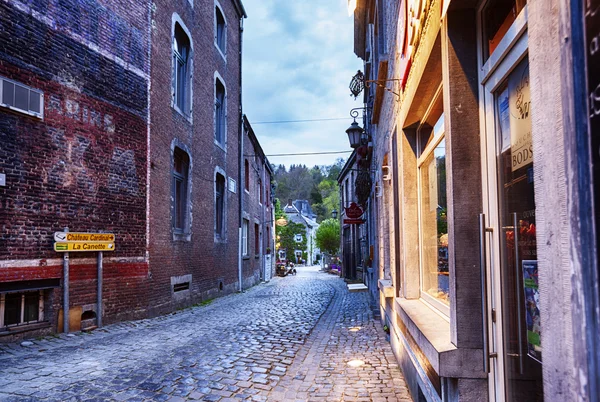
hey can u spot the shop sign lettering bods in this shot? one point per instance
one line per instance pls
(520, 117)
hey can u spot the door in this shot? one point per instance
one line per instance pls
(512, 296)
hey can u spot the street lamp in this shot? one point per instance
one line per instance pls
(354, 134)
(334, 213)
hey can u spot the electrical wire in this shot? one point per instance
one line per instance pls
(309, 153)
(297, 121)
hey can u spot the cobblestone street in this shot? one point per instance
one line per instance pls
(287, 340)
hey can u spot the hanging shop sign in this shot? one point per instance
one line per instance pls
(353, 221)
(354, 211)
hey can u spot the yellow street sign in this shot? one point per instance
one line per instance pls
(84, 246)
(84, 237)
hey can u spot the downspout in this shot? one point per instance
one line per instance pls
(241, 162)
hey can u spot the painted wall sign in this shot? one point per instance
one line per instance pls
(83, 237)
(83, 246)
(520, 117)
(412, 17)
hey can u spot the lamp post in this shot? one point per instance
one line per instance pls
(334, 214)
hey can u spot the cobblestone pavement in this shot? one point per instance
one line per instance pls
(288, 340)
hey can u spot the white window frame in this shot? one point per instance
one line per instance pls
(245, 225)
(22, 317)
(439, 136)
(222, 50)
(28, 112)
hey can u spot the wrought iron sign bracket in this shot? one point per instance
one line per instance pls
(379, 84)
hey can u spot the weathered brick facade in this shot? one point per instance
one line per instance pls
(83, 165)
(207, 263)
(258, 210)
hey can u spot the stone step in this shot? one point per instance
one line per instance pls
(357, 287)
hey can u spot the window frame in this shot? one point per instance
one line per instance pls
(245, 226)
(29, 89)
(256, 239)
(181, 88)
(247, 176)
(220, 113)
(22, 322)
(220, 206)
(181, 197)
(220, 31)
(423, 153)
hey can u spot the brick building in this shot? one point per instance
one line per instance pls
(484, 119)
(258, 212)
(195, 131)
(74, 82)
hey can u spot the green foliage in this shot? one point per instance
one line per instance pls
(328, 236)
(318, 185)
(286, 237)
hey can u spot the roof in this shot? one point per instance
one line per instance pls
(257, 148)
(347, 166)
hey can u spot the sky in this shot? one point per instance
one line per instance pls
(298, 60)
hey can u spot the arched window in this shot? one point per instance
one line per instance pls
(181, 164)
(220, 30)
(220, 205)
(220, 100)
(181, 63)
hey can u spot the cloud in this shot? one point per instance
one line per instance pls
(298, 62)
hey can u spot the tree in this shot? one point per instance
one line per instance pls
(328, 236)
(286, 237)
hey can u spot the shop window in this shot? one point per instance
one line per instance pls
(220, 100)
(220, 30)
(498, 16)
(181, 70)
(245, 225)
(181, 163)
(219, 205)
(433, 209)
(21, 308)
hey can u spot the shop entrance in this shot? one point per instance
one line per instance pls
(508, 223)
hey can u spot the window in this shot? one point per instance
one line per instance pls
(256, 239)
(21, 308)
(298, 238)
(181, 163)
(498, 16)
(260, 193)
(245, 237)
(19, 97)
(219, 205)
(433, 207)
(246, 175)
(181, 62)
(219, 112)
(220, 30)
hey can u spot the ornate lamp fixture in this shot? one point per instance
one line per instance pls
(334, 214)
(355, 131)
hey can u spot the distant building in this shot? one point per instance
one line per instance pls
(296, 215)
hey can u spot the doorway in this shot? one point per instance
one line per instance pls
(514, 330)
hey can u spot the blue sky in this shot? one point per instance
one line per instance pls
(298, 60)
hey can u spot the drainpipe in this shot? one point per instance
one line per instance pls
(241, 162)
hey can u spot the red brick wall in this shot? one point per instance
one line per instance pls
(209, 262)
(84, 164)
